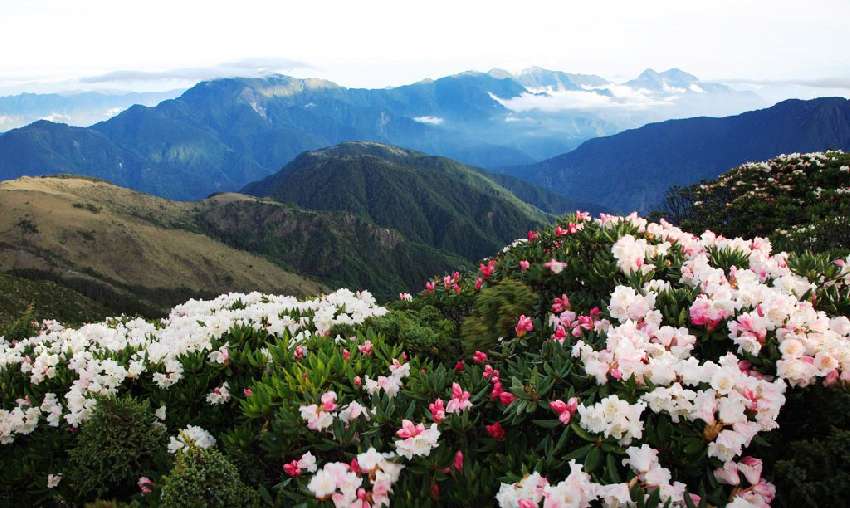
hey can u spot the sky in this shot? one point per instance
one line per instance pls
(62, 45)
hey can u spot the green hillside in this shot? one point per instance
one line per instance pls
(432, 200)
(340, 249)
(47, 300)
(800, 202)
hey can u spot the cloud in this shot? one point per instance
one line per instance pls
(57, 118)
(10, 122)
(612, 97)
(433, 120)
(834, 82)
(251, 67)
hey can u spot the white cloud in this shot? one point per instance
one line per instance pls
(56, 118)
(373, 45)
(553, 101)
(433, 120)
(9, 122)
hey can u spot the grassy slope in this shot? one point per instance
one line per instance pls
(115, 244)
(48, 301)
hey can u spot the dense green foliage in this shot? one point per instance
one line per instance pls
(122, 442)
(431, 200)
(202, 478)
(800, 202)
(340, 249)
(47, 300)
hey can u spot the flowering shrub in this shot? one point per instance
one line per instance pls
(619, 362)
(799, 201)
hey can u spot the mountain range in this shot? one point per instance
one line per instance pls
(222, 134)
(75, 108)
(633, 169)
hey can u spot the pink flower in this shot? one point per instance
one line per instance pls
(490, 373)
(438, 410)
(247, 392)
(479, 282)
(459, 366)
(532, 235)
(526, 503)
(559, 231)
(458, 461)
(459, 401)
(704, 313)
(409, 429)
(488, 269)
(405, 297)
(346, 355)
(358, 381)
(429, 287)
(560, 334)
(560, 304)
(299, 352)
(505, 398)
(329, 401)
(496, 431)
(145, 485)
(355, 466)
(751, 468)
(582, 216)
(555, 266)
(616, 373)
(292, 469)
(728, 474)
(456, 289)
(831, 378)
(479, 357)
(523, 326)
(564, 410)
(365, 348)
(523, 265)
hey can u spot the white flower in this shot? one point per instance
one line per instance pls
(191, 434)
(219, 395)
(613, 417)
(307, 462)
(53, 480)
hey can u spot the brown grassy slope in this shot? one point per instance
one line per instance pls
(131, 243)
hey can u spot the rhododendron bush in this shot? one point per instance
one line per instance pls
(607, 361)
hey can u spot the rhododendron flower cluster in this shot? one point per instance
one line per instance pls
(614, 418)
(343, 483)
(664, 373)
(95, 353)
(193, 435)
(416, 439)
(389, 384)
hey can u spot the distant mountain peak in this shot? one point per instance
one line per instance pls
(499, 73)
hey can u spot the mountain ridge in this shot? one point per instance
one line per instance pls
(633, 169)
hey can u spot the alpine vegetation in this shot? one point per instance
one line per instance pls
(610, 361)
